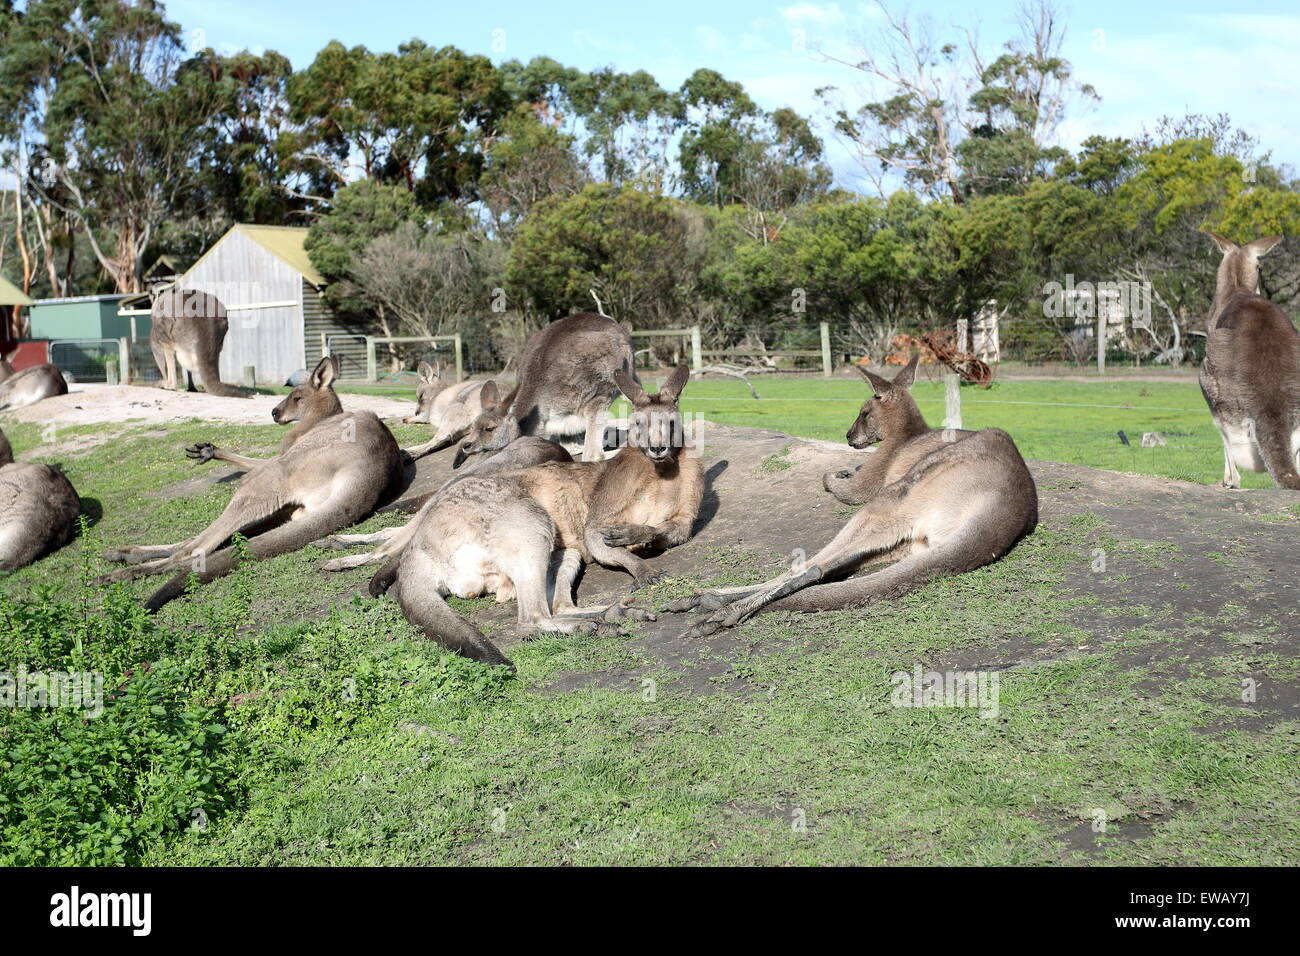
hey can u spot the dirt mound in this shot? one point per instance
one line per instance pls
(90, 404)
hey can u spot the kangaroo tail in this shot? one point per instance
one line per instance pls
(425, 608)
(288, 537)
(1275, 448)
(892, 582)
(213, 384)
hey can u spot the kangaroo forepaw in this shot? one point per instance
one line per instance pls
(627, 535)
(626, 612)
(720, 619)
(331, 544)
(201, 452)
(645, 581)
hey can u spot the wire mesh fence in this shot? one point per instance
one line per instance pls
(87, 360)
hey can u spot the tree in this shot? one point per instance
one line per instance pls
(529, 160)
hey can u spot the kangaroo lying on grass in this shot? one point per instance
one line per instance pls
(496, 533)
(450, 409)
(944, 501)
(38, 510)
(190, 327)
(335, 468)
(1251, 374)
(20, 389)
(566, 382)
(519, 454)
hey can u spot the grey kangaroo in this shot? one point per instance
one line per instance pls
(496, 533)
(20, 389)
(566, 382)
(942, 501)
(38, 510)
(449, 407)
(335, 468)
(519, 454)
(1251, 373)
(190, 327)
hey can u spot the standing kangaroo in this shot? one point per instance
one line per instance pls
(496, 533)
(38, 510)
(190, 327)
(566, 382)
(1251, 373)
(335, 468)
(944, 501)
(450, 408)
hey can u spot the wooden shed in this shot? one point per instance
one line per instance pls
(272, 293)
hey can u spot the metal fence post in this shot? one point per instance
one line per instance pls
(826, 350)
(372, 370)
(460, 358)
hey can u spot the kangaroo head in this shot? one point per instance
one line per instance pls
(314, 399)
(494, 428)
(891, 411)
(1239, 269)
(656, 423)
(425, 393)
(6, 369)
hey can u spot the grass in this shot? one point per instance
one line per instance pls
(303, 725)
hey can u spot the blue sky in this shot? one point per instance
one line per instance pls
(1143, 59)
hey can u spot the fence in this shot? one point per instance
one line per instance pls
(372, 342)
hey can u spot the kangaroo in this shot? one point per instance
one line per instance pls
(190, 327)
(519, 454)
(1251, 374)
(449, 408)
(38, 510)
(944, 501)
(31, 385)
(331, 476)
(566, 382)
(496, 533)
(6, 370)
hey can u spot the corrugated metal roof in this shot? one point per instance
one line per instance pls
(286, 244)
(10, 294)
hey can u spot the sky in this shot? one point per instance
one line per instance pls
(1144, 59)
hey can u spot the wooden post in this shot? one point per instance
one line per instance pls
(324, 345)
(110, 373)
(460, 358)
(372, 369)
(697, 352)
(963, 336)
(826, 350)
(250, 376)
(124, 360)
(1101, 342)
(951, 400)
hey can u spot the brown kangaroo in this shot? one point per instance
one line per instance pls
(449, 408)
(330, 475)
(944, 501)
(190, 327)
(566, 382)
(519, 454)
(497, 533)
(31, 385)
(38, 510)
(1251, 374)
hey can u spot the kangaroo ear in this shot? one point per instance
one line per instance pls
(1224, 245)
(322, 376)
(1263, 246)
(907, 376)
(427, 373)
(878, 384)
(671, 389)
(630, 388)
(488, 396)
